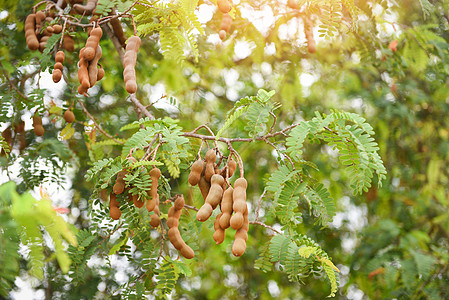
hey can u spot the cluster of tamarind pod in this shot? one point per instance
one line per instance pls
(38, 29)
(19, 135)
(88, 72)
(225, 7)
(234, 211)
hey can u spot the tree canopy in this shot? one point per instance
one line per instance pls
(224, 149)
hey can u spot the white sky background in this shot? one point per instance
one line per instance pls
(61, 195)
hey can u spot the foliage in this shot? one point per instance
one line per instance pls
(347, 159)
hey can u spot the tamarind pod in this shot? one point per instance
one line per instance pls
(22, 142)
(224, 6)
(119, 186)
(92, 43)
(82, 90)
(68, 43)
(232, 166)
(216, 191)
(60, 56)
(155, 173)
(83, 74)
(219, 236)
(242, 233)
(40, 17)
(137, 203)
(92, 68)
(39, 130)
(57, 28)
(100, 73)
(222, 34)
(129, 63)
(204, 212)
(210, 158)
(115, 213)
(113, 200)
(50, 29)
(226, 208)
(187, 252)
(195, 172)
(58, 66)
(179, 202)
(118, 30)
(86, 9)
(57, 75)
(173, 221)
(7, 135)
(226, 22)
(30, 32)
(236, 221)
(308, 30)
(204, 187)
(174, 236)
(155, 220)
(239, 247)
(69, 116)
(37, 120)
(104, 195)
(20, 127)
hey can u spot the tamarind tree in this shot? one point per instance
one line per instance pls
(224, 149)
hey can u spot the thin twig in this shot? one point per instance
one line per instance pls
(96, 124)
(258, 204)
(264, 225)
(11, 84)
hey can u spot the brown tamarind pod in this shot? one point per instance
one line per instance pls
(7, 135)
(129, 63)
(226, 208)
(37, 120)
(210, 158)
(83, 73)
(119, 185)
(57, 75)
(155, 220)
(68, 43)
(30, 32)
(114, 210)
(175, 238)
(57, 28)
(222, 34)
(239, 205)
(86, 9)
(232, 166)
(92, 68)
(226, 22)
(100, 73)
(173, 217)
(50, 29)
(69, 116)
(155, 173)
(135, 198)
(60, 56)
(22, 142)
(224, 6)
(187, 252)
(39, 130)
(179, 202)
(92, 43)
(20, 127)
(40, 17)
(104, 195)
(239, 247)
(118, 29)
(204, 187)
(308, 30)
(195, 172)
(219, 234)
(213, 198)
